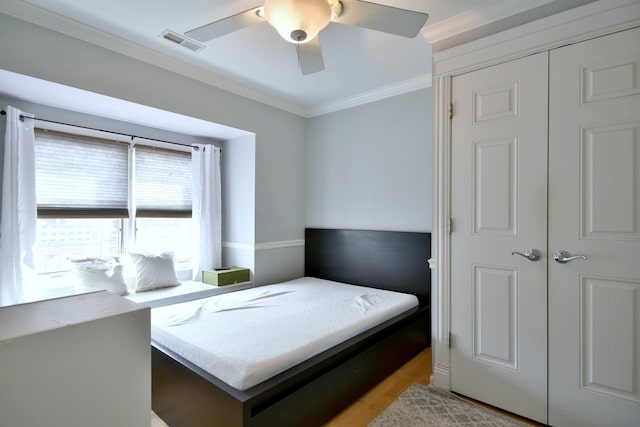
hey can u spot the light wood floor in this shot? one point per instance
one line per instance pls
(369, 406)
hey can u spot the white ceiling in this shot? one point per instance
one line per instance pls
(360, 64)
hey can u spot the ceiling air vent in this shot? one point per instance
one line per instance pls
(176, 38)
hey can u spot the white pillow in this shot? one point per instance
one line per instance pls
(96, 274)
(154, 271)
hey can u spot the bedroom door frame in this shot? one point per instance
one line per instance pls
(579, 24)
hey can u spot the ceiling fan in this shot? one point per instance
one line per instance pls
(300, 21)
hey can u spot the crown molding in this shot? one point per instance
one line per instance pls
(472, 19)
(590, 20)
(420, 82)
(81, 31)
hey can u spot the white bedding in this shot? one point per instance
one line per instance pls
(246, 337)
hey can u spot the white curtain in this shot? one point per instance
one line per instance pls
(207, 210)
(19, 210)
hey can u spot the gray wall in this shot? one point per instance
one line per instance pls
(367, 167)
(280, 181)
(370, 167)
(238, 164)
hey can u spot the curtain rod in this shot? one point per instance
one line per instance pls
(22, 117)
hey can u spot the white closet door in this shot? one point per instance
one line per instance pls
(499, 206)
(594, 210)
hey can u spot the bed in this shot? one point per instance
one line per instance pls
(317, 385)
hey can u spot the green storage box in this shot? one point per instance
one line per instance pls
(225, 276)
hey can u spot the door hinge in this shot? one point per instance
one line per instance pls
(449, 225)
(451, 111)
(449, 339)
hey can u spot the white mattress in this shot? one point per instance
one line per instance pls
(246, 337)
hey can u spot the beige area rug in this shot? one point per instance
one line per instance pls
(421, 406)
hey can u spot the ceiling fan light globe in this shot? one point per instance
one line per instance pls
(293, 17)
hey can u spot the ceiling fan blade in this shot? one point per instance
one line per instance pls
(378, 17)
(310, 56)
(226, 25)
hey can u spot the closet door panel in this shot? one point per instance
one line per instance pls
(594, 211)
(499, 206)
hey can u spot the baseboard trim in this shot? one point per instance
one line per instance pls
(441, 377)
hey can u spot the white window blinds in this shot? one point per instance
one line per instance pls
(163, 182)
(80, 176)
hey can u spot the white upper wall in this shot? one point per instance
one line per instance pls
(370, 167)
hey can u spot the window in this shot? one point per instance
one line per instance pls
(162, 194)
(102, 198)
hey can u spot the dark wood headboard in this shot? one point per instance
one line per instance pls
(392, 260)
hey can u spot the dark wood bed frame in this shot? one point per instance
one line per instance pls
(314, 391)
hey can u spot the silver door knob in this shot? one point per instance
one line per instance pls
(531, 254)
(564, 256)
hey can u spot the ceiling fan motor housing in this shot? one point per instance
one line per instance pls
(298, 35)
(298, 21)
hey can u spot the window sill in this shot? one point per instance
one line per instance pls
(187, 291)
